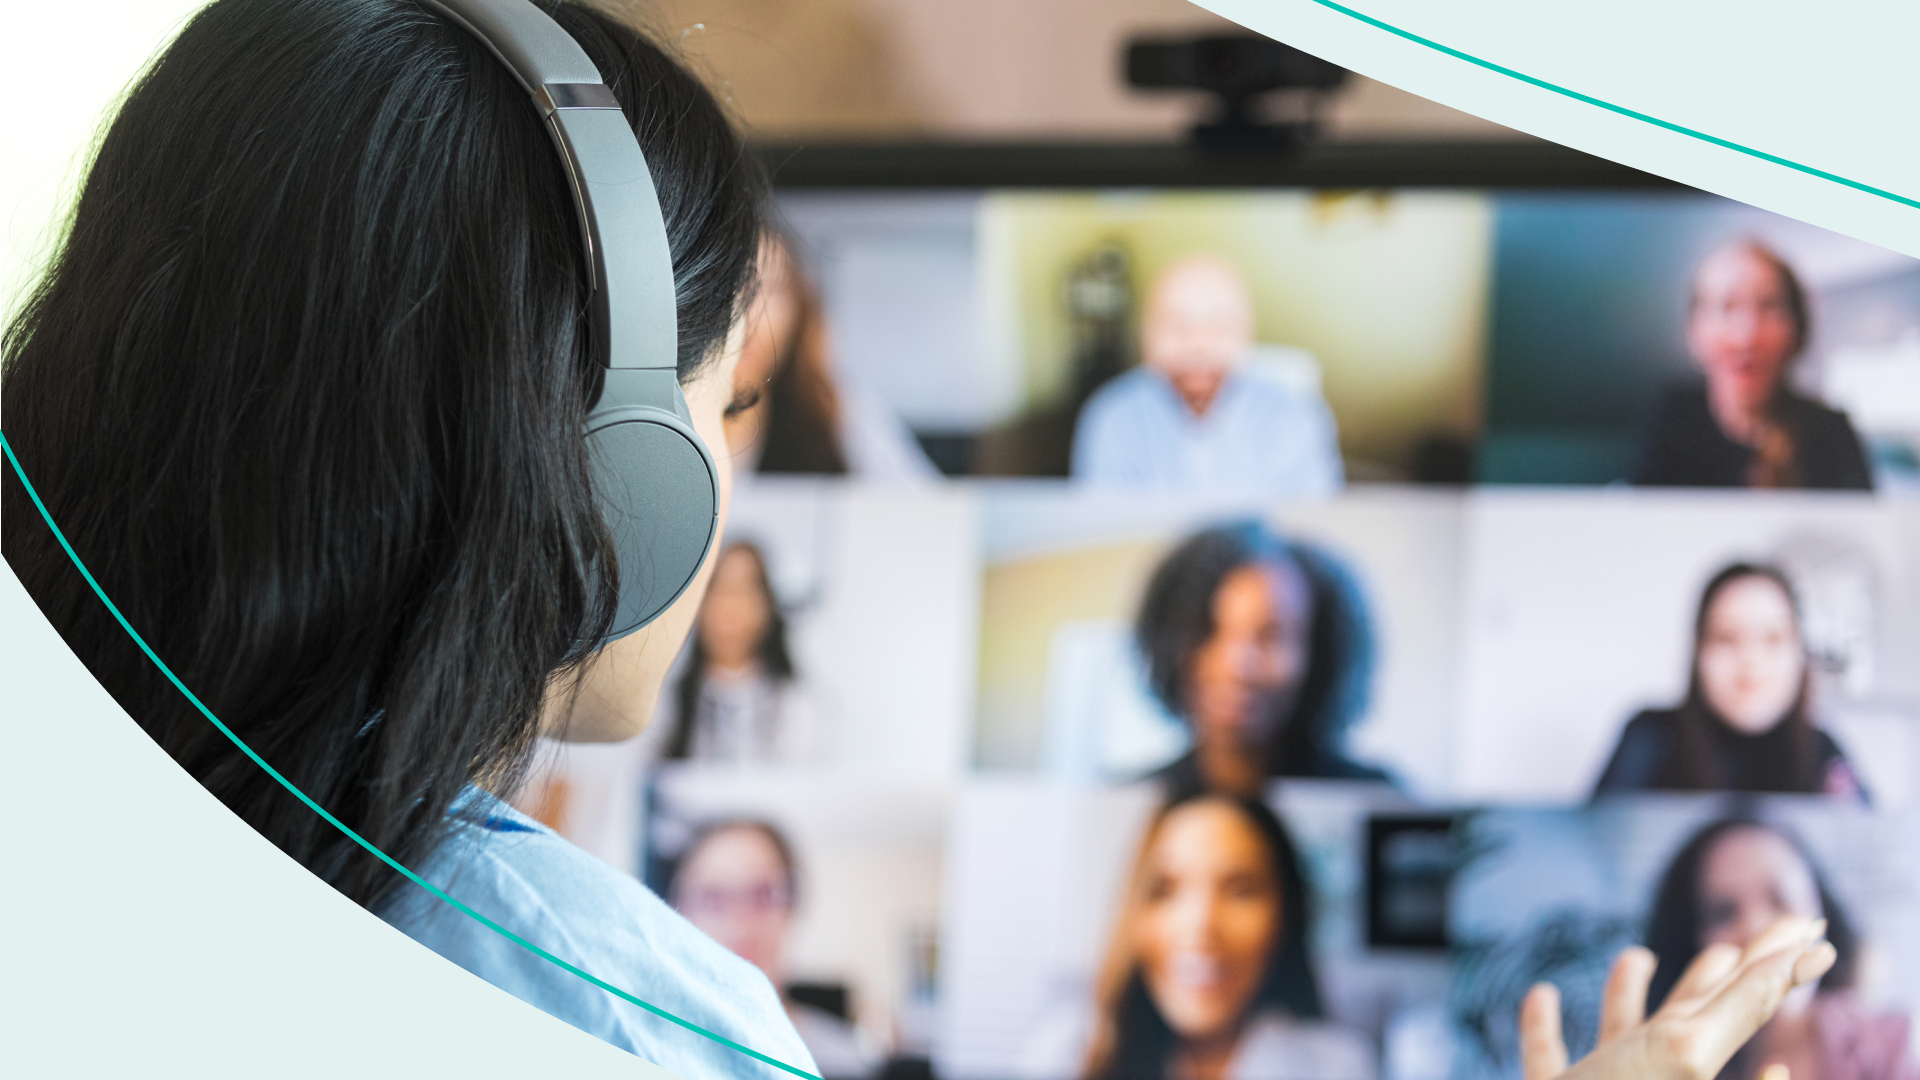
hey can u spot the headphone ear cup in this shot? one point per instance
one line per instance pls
(658, 494)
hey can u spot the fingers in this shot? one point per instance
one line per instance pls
(1724, 1024)
(1543, 1053)
(1703, 978)
(1718, 965)
(1814, 963)
(1624, 1005)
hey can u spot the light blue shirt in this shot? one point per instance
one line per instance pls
(528, 879)
(1261, 435)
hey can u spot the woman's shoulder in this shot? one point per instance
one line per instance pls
(1857, 1041)
(1641, 753)
(558, 900)
(1681, 444)
(1279, 1047)
(1651, 724)
(1834, 455)
(1682, 404)
(1814, 413)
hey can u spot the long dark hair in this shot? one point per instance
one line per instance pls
(775, 660)
(305, 390)
(1131, 1038)
(800, 431)
(1673, 925)
(1790, 756)
(1176, 619)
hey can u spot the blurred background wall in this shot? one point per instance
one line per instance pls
(986, 69)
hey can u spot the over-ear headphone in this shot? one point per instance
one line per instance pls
(654, 478)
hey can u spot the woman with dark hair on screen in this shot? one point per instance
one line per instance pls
(1264, 647)
(1746, 723)
(1743, 425)
(1726, 885)
(737, 881)
(811, 418)
(1209, 976)
(738, 699)
(738, 685)
(306, 389)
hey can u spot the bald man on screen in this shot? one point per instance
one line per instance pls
(1207, 410)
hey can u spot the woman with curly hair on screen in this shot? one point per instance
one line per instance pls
(1264, 647)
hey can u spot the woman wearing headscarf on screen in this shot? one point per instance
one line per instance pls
(738, 882)
(1743, 425)
(1208, 975)
(1746, 723)
(1264, 647)
(812, 418)
(1731, 881)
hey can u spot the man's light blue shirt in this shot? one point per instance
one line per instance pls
(1264, 434)
(530, 880)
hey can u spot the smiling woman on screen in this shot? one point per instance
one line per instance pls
(1208, 976)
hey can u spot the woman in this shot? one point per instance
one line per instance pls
(1264, 647)
(737, 882)
(737, 684)
(812, 418)
(1727, 884)
(1745, 724)
(1208, 975)
(1744, 426)
(305, 388)
(737, 701)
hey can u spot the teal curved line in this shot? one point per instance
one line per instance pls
(336, 822)
(1612, 108)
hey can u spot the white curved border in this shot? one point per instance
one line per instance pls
(1827, 85)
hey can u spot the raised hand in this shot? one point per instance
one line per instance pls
(1724, 997)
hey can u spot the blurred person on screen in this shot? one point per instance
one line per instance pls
(1745, 724)
(1728, 883)
(738, 684)
(1200, 412)
(1743, 425)
(737, 881)
(1264, 647)
(802, 413)
(1208, 975)
(738, 699)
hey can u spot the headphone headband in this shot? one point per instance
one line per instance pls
(654, 479)
(613, 193)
